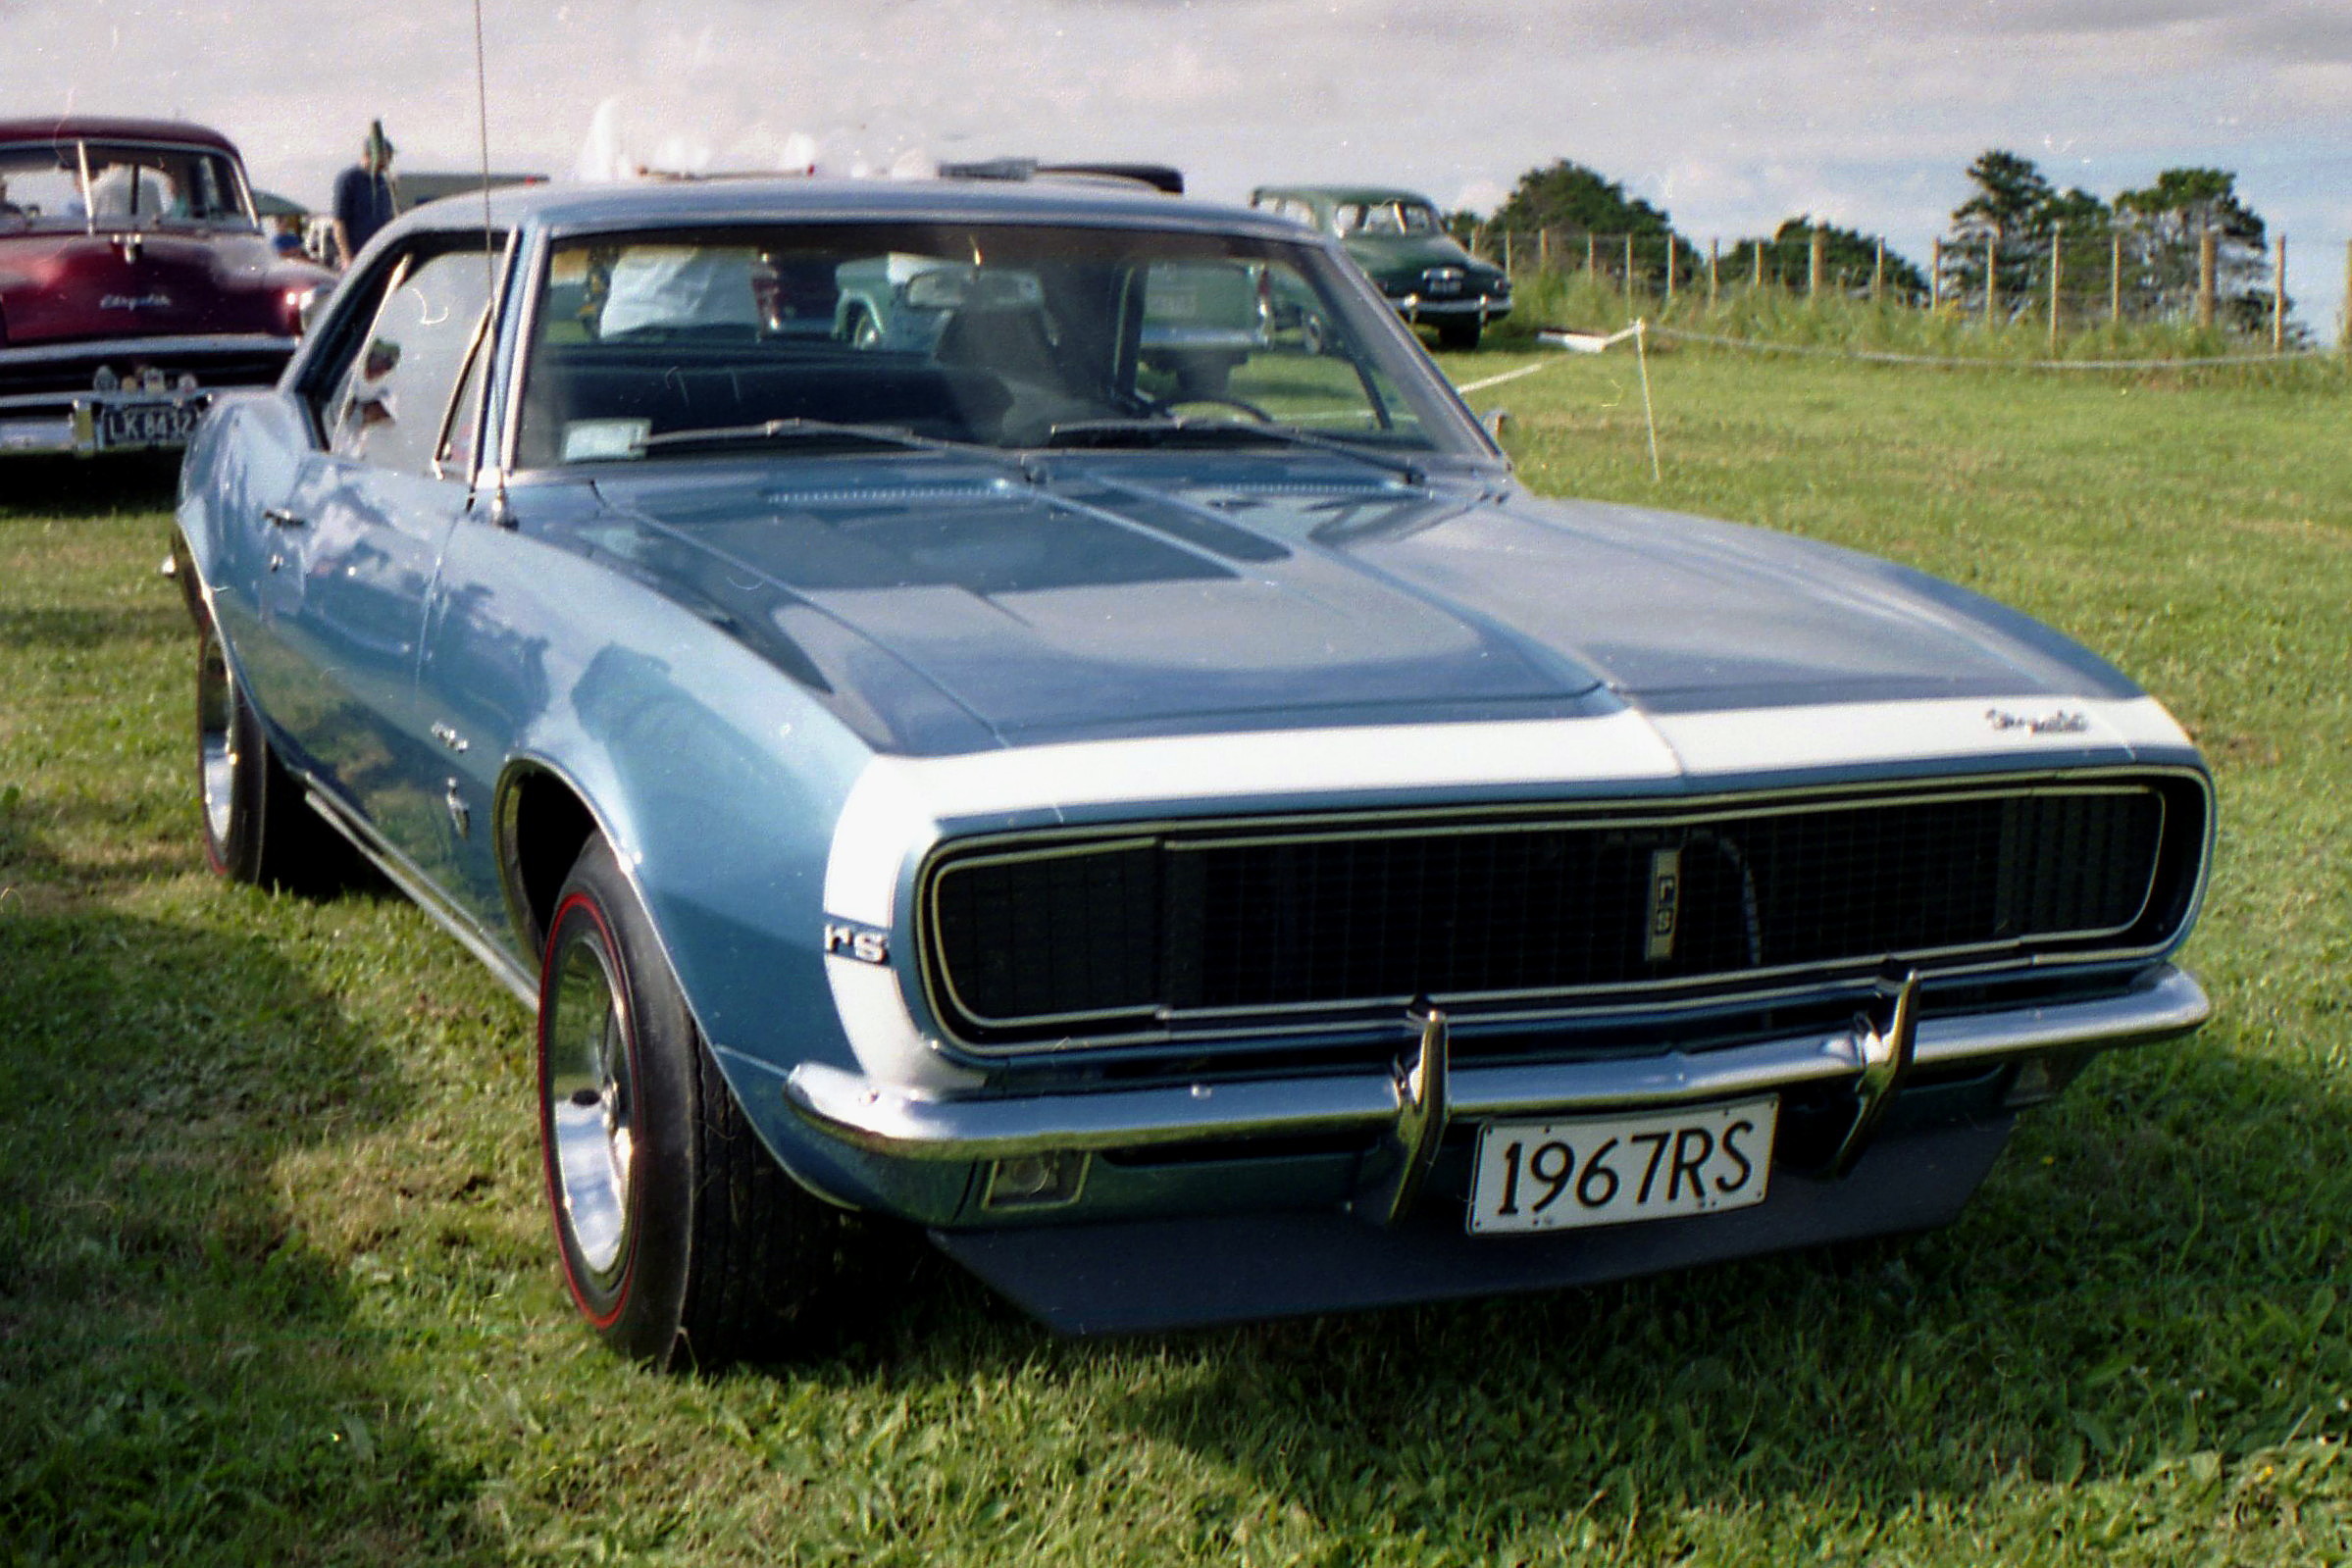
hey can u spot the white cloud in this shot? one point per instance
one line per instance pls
(1733, 115)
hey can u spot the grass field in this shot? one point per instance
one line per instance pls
(275, 1288)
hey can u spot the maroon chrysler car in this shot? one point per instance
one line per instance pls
(135, 279)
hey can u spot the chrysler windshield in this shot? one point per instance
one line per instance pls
(119, 184)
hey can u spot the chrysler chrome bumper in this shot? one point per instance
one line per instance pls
(2161, 1004)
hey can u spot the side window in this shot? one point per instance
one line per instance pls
(390, 405)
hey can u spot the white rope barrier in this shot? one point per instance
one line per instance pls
(1882, 357)
(1507, 376)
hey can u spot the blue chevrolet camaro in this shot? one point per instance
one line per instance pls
(1202, 843)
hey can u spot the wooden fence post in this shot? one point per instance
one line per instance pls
(1878, 272)
(1935, 275)
(1629, 270)
(2343, 339)
(1506, 267)
(2114, 278)
(1755, 278)
(2208, 253)
(1816, 255)
(1588, 254)
(2279, 300)
(1670, 267)
(1543, 250)
(1715, 263)
(1992, 274)
(2058, 233)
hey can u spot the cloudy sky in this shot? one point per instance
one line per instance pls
(1732, 116)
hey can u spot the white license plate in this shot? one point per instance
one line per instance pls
(1560, 1176)
(120, 426)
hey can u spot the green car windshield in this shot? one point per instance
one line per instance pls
(1015, 336)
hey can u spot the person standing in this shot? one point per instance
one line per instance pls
(365, 197)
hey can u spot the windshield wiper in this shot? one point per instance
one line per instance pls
(803, 430)
(1153, 431)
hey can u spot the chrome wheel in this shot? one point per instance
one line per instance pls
(681, 1239)
(216, 738)
(592, 1104)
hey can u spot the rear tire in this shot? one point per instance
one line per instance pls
(1459, 335)
(257, 828)
(681, 1241)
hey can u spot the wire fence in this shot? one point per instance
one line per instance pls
(2138, 273)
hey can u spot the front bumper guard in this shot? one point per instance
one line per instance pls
(1413, 1102)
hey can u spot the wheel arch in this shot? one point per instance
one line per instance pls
(542, 821)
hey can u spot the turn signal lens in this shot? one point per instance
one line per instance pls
(1035, 1181)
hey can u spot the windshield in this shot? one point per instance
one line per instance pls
(1003, 335)
(1388, 219)
(127, 185)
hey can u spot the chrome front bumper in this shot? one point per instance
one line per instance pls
(73, 425)
(2164, 1003)
(37, 432)
(1417, 308)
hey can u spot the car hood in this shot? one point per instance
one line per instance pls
(1171, 595)
(64, 287)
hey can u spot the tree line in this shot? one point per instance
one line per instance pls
(2139, 247)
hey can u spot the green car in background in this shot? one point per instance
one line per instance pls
(1398, 238)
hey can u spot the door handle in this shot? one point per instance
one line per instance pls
(280, 516)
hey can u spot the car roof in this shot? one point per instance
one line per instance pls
(108, 127)
(655, 203)
(1366, 196)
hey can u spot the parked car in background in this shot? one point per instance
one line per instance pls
(136, 279)
(1197, 855)
(1399, 241)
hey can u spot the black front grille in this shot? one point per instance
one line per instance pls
(74, 376)
(1101, 937)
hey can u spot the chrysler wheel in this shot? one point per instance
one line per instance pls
(681, 1241)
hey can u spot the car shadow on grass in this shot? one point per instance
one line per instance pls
(2148, 1287)
(189, 1378)
(66, 487)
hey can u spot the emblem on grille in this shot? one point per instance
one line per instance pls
(1666, 903)
(2057, 721)
(849, 940)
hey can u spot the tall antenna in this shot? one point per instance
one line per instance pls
(482, 118)
(490, 263)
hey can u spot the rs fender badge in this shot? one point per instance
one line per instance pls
(847, 939)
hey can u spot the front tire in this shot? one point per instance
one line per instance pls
(257, 828)
(681, 1241)
(1459, 335)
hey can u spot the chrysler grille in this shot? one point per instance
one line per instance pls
(1104, 934)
